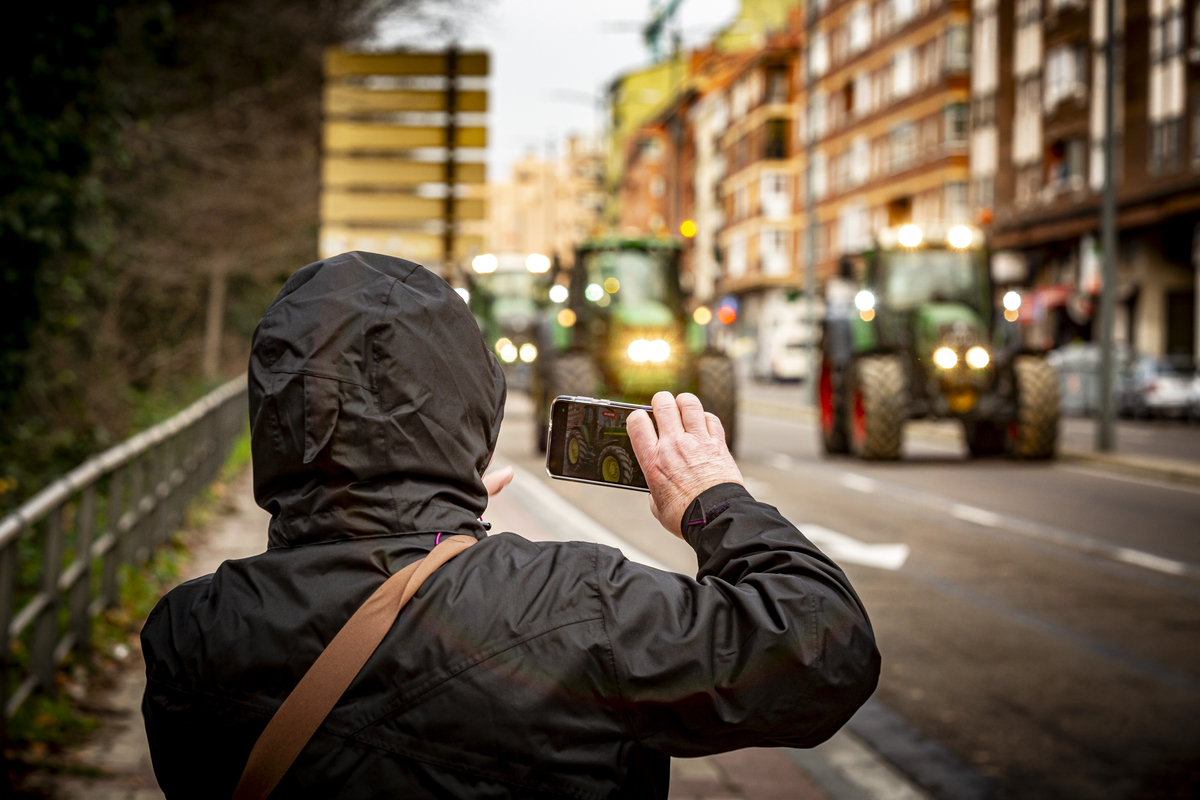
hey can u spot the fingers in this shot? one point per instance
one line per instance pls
(495, 481)
(692, 413)
(641, 434)
(666, 414)
(715, 428)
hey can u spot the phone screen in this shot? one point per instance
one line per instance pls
(589, 443)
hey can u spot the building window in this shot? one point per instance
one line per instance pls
(955, 202)
(957, 124)
(958, 48)
(860, 28)
(773, 249)
(902, 72)
(902, 11)
(1065, 74)
(903, 145)
(777, 85)
(1065, 165)
(777, 139)
(1165, 145)
(818, 54)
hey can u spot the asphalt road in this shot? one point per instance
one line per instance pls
(1044, 628)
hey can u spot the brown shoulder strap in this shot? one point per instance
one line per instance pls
(327, 679)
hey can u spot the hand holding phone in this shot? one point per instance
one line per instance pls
(683, 458)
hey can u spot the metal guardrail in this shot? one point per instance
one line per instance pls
(115, 508)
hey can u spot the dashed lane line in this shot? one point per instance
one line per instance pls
(1002, 522)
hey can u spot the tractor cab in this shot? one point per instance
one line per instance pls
(619, 328)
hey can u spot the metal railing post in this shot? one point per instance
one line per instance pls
(79, 620)
(112, 519)
(45, 633)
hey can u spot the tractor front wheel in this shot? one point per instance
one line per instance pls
(1034, 433)
(716, 385)
(878, 407)
(616, 466)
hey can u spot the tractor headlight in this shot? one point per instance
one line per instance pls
(508, 353)
(945, 358)
(659, 351)
(639, 351)
(909, 236)
(977, 357)
(864, 301)
(528, 352)
(960, 236)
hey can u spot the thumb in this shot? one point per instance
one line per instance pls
(495, 481)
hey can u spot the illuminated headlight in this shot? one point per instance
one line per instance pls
(909, 236)
(945, 358)
(960, 236)
(977, 357)
(529, 352)
(508, 353)
(483, 264)
(864, 300)
(659, 351)
(639, 351)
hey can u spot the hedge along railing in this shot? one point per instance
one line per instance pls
(60, 551)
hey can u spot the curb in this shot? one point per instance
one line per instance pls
(1164, 469)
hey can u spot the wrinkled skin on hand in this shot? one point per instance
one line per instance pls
(686, 456)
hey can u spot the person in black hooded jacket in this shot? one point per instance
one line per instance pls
(520, 669)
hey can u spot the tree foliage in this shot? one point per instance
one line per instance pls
(142, 144)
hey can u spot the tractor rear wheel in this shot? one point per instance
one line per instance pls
(616, 466)
(878, 407)
(1034, 434)
(716, 386)
(831, 393)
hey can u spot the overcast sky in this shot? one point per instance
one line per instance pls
(550, 58)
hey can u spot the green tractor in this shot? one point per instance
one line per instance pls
(598, 446)
(924, 341)
(504, 297)
(618, 329)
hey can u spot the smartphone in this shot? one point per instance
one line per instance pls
(588, 443)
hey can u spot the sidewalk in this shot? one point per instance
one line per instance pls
(1163, 449)
(118, 751)
(115, 762)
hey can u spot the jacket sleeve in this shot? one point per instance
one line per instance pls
(768, 646)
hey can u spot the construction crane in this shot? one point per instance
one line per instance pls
(660, 14)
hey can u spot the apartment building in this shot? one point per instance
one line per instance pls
(548, 205)
(1037, 165)
(890, 117)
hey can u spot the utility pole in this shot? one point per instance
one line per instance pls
(1108, 232)
(810, 206)
(448, 229)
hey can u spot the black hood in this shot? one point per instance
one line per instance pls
(374, 404)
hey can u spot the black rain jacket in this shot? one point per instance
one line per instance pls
(520, 669)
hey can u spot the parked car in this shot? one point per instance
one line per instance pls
(1156, 387)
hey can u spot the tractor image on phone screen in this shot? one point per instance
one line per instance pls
(589, 443)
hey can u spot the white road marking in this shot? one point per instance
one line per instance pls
(759, 489)
(1149, 561)
(868, 771)
(780, 461)
(843, 548)
(1117, 476)
(980, 516)
(859, 483)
